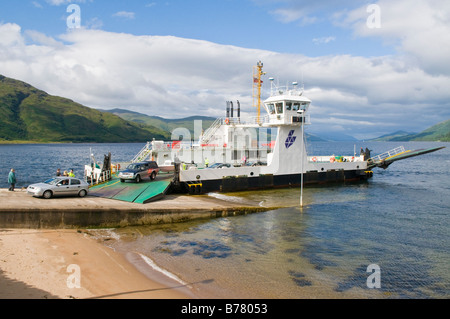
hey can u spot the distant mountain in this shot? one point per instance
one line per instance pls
(314, 138)
(393, 136)
(171, 124)
(32, 115)
(437, 133)
(168, 125)
(333, 137)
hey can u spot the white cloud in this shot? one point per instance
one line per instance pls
(307, 12)
(419, 29)
(323, 40)
(124, 14)
(37, 4)
(64, 2)
(175, 77)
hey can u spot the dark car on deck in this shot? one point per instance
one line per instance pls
(220, 165)
(139, 171)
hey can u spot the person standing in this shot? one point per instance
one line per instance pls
(71, 174)
(58, 172)
(12, 180)
(367, 154)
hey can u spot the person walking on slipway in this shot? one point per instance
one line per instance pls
(12, 180)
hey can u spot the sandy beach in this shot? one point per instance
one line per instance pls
(38, 261)
(69, 264)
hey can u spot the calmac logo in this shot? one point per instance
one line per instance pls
(291, 139)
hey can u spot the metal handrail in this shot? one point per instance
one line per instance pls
(388, 154)
(211, 130)
(142, 154)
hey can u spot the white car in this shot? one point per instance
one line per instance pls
(59, 186)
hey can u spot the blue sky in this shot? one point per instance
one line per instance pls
(177, 58)
(244, 23)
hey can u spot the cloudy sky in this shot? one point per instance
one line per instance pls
(370, 68)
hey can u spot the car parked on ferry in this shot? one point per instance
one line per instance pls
(59, 186)
(220, 165)
(139, 171)
(256, 163)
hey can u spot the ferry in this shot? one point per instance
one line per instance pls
(265, 151)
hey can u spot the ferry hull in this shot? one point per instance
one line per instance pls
(268, 181)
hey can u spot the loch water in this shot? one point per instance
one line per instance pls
(397, 221)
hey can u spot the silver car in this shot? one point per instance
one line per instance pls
(59, 186)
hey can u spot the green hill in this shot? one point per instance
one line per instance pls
(167, 125)
(31, 115)
(393, 136)
(437, 133)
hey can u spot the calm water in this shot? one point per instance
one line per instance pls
(399, 220)
(37, 162)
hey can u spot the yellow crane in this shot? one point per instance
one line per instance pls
(257, 83)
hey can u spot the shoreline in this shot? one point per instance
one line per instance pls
(39, 264)
(41, 239)
(20, 210)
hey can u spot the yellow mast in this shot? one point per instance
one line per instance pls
(257, 83)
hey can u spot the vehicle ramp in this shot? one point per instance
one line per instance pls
(142, 193)
(387, 158)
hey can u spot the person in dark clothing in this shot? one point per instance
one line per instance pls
(367, 154)
(58, 172)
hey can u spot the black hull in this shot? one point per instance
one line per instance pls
(244, 183)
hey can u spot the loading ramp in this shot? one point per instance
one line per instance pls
(387, 158)
(142, 193)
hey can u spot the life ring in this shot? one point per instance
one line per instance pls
(314, 159)
(332, 159)
(227, 121)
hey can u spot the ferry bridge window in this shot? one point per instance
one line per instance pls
(288, 106)
(296, 107)
(271, 108)
(280, 108)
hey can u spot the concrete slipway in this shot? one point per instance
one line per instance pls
(20, 210)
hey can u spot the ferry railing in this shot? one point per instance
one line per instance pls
(248, 120)
(143, 153)
(388, 154)
(212, 130)
(94, 177)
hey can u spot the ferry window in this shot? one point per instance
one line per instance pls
(288, 106)
(296, 107)
(271, 108)
(280, 108)
(304, 106)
